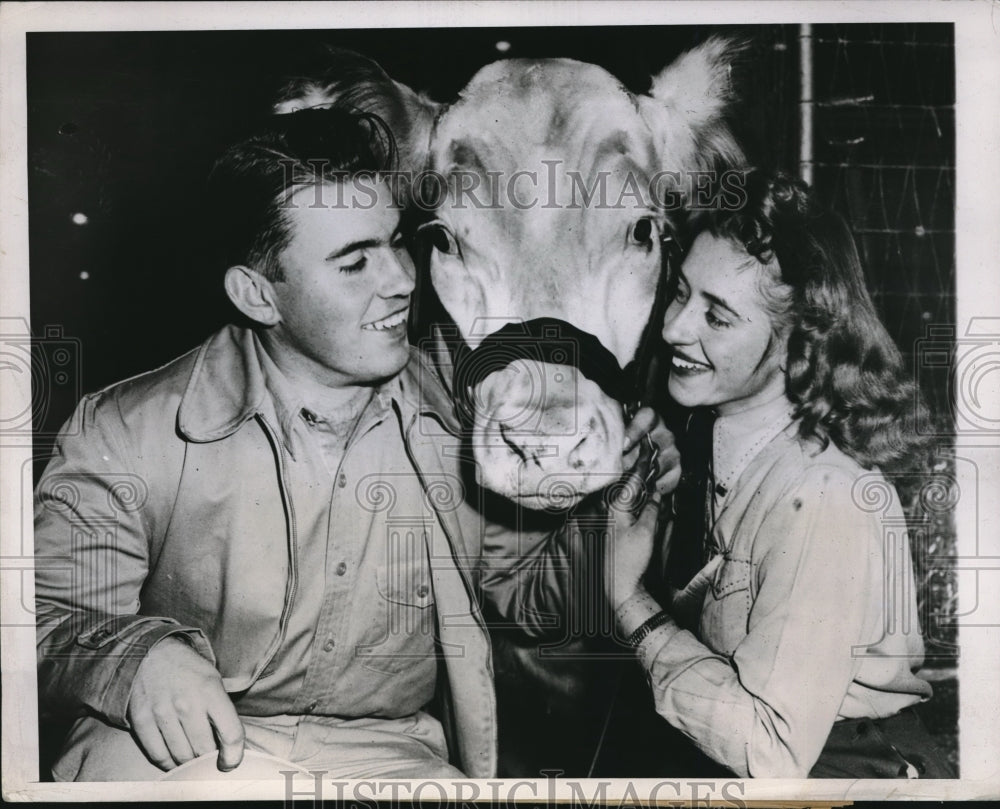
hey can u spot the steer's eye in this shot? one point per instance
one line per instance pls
(440, 238)
(641, 232)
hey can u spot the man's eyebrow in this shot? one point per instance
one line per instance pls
(350, 247)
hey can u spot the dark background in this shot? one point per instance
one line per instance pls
(123, 127)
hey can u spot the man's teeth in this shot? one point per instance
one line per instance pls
(387, 322)
(685, 365)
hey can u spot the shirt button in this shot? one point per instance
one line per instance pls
(423, 590)
(342, 480)
(328, 646)
(341, 568)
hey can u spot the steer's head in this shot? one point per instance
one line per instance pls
(552, 188)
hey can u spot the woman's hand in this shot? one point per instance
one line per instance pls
(668, 460)
(629, 545)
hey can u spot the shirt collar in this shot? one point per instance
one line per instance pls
(292, 405)
(227, 387)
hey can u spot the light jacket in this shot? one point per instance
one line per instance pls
(805, 616)
(165, 510)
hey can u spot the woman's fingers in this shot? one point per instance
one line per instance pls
(642, 422)
(647, 424)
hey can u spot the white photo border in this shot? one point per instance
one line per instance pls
(977, 55)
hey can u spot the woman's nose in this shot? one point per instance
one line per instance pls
(677, 326)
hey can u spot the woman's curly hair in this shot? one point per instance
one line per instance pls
(844, 372)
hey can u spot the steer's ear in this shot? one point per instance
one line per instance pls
(688, 105)
(350, 79)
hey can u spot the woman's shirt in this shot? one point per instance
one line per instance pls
(808, 614)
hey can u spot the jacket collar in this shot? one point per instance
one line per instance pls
(227, 387)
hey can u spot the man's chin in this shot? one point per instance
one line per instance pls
(386, 369)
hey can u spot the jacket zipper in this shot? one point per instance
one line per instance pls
(292, 549)
(470, 594)
(470, 590)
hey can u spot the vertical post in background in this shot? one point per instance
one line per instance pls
(806, 103)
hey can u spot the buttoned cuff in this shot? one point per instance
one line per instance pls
(124, 641)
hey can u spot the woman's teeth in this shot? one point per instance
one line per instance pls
(387, 323)
(685, 365)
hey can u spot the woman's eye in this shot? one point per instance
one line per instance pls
(440, 238)
(641, 233)
(715, 321)
(681, 295)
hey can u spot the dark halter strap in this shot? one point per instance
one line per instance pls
(555, 341)
(543, 339)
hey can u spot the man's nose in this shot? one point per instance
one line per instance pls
(398, 276)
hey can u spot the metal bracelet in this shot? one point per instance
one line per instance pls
(646, 627)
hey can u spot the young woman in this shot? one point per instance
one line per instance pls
(798, 652)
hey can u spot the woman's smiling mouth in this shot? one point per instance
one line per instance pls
(686, 365)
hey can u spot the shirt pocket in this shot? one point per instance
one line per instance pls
(732, 576)
(726, 609)
(401, 634)
(406, 584)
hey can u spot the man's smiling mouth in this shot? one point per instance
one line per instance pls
(390, 322)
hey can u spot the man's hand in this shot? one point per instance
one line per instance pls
(179, 709)
(668, 459)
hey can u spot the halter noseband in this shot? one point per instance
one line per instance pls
(550, 340)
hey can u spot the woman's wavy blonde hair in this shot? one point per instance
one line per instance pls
(844, 372)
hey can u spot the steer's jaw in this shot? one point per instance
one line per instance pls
(546, 436)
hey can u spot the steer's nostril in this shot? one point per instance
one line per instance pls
(575, 457)
(582, 454)
(511, 443)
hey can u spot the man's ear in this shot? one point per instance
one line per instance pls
(252, 294)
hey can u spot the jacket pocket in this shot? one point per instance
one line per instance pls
(726, 608)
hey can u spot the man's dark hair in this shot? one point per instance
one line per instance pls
(251, 182)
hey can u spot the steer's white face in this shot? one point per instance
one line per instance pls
(548, 214)
(553, 207)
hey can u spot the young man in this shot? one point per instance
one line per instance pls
(266, 544)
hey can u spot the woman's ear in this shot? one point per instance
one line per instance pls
(782, 349)
(252, 294)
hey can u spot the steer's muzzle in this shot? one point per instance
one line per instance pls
(545, 435)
